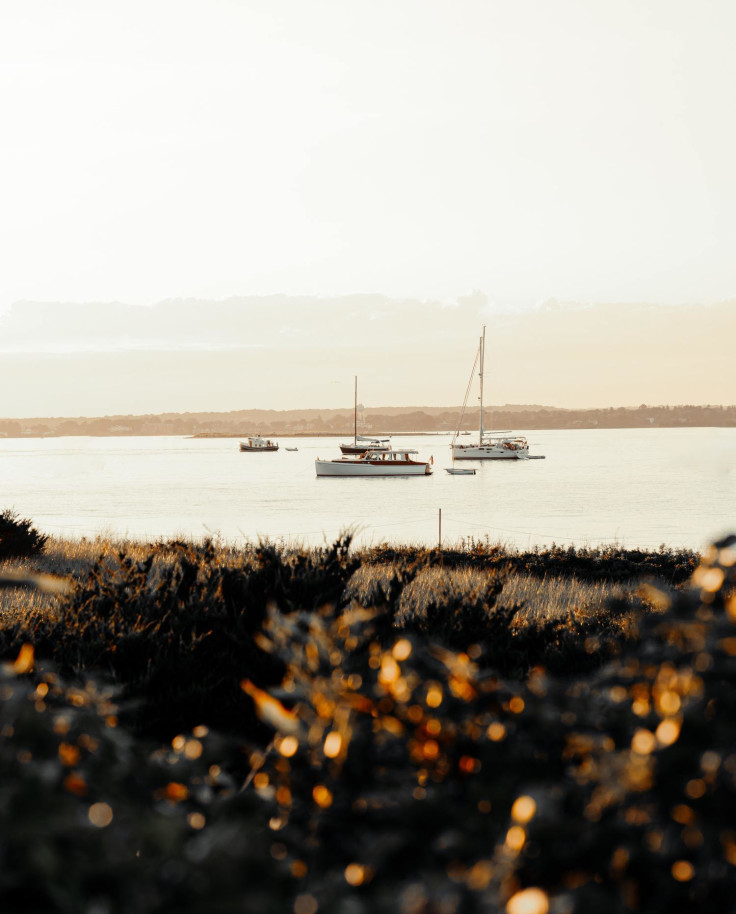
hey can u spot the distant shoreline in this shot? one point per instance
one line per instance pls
(379, 421)
(347, 435)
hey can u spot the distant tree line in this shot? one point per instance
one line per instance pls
(375, 421)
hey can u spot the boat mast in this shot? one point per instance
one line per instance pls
(355, 415)
(480, 375)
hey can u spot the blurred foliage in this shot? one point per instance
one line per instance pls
(424, 764)
(94, 820)
(18, 537)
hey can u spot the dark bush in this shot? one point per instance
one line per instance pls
(18, 537)
(180, 633)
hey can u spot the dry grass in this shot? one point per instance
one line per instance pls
(554, 597)
(542, 599)
(70, 559)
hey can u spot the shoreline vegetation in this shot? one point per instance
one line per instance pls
(194, 727)
(381, 420)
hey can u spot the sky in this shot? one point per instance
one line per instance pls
(174, 150)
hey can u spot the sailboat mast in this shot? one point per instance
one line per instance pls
(480, 375)
(355, 415)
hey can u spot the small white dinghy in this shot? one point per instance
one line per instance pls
(460, 471)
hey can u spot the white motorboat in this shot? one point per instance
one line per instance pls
(256, 443)
(376, 463)
(490, 445)
(362, 443)
(459, 471)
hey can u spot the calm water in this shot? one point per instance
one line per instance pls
(638, 487)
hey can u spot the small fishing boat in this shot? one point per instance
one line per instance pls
(460, 471)
(376, 463)
(291, 448)
(256, 444)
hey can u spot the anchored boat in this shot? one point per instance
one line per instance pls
(376, 463)
(490, 445)
(256, 443)
(362, 443)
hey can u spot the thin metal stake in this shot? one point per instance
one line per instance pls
(439, 544)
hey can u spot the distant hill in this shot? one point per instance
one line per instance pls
(380, 420)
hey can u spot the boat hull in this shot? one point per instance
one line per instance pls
(356, 450)
(353, 468)
(257, 450)
(490, 452)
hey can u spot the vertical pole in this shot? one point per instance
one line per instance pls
(480, 374)
(355, 415)
(439, 542)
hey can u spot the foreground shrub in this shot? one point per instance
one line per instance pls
(94, 820)
(398, 774)
(18, 537)
(177, 628)
(407, 779)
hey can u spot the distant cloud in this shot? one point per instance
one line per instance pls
(102, 358)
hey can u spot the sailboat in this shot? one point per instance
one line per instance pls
(361, 444)
(490, 445)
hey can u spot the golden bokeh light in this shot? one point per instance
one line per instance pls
(69, 755)
(528, 901)
(667, 732)
(402, 649)
(389, 671)
(23, 663)
(100, 814)
(695, 789)
(288, 746)
(479, 875)
(175, 792)
(355, 874)
(669, 703)
(523, 810)
(333, 744)
(682, 870)
(431, 749)
(193, 749)
(322, 796)
(643, 742)
(515, 838)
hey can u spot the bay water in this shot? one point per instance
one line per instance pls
(633, 487)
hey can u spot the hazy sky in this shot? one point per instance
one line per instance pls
(580, 150)
(300, 352)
